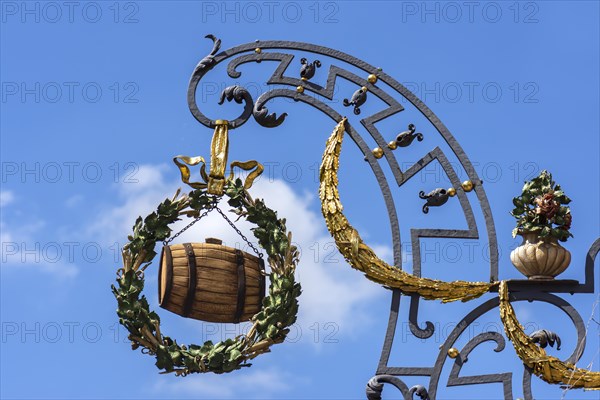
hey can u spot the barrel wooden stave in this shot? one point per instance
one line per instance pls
(216, 275)
(177, 303)
(215, 290)
(210, 250)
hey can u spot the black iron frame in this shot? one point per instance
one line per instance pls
(521, 289)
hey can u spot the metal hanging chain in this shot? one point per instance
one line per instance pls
(206, 211)
(188, 226)
(244, 238)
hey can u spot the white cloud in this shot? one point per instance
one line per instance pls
(74, 200)
(332, 292)
(6, 197)
(29, 261)
(136, 199)
(240, 384)
(5, 235)
(21, 250)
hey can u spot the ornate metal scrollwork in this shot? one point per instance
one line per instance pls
(413, 324)
(308, 69)
(505, 378)
(545, 337)
(236, 93)
(375, 386)
(271, 51)
(358, 99)
(435, 198)
(262, 116)
(420, 391)
(239, 94)
(405, 138)
(209, 61)
(287, 80)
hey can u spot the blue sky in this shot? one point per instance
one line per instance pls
(94, 107)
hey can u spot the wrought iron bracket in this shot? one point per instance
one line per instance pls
(291, 84)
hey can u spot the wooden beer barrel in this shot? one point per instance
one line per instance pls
(210, 282)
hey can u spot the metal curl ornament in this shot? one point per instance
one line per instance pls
(435, 198)
(358, 99)
(308, 68)
(270, 325)
(237, 93)
(406, 138)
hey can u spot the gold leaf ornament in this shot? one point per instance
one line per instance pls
(362, 257)
(215, 180)
(550, 369)
(183, 162)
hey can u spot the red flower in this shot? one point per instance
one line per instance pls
(546, 205)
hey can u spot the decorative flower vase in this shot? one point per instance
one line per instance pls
(540, 258)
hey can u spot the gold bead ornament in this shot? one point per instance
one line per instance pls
(453, 352)
(467, 186)
(377, 152)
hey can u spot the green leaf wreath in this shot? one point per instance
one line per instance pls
(270, 325)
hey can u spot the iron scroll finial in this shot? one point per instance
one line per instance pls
(439, 197)
(358, 99)
(420, 391)
(435, 198)
(405, 138)
(262, 116)
(308, 69)
(209, 61)
(544, 338)
(236, 92)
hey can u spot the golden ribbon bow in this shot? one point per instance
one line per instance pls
(214, 182)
